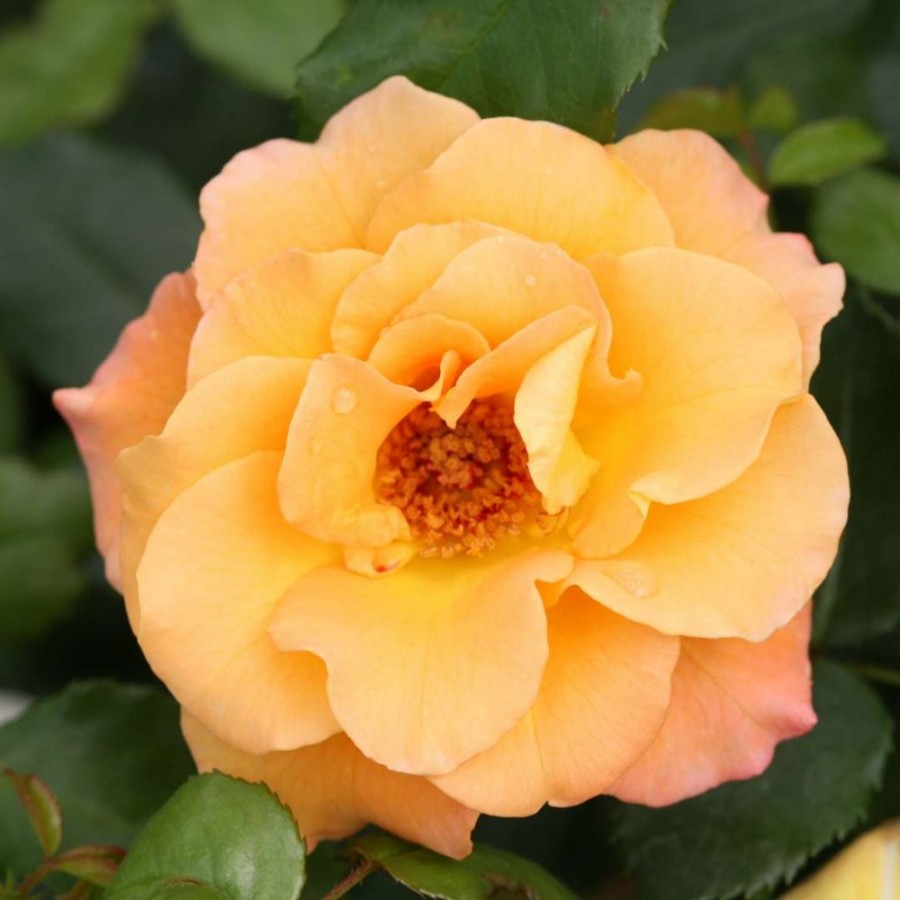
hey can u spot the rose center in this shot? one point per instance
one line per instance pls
(461, 489)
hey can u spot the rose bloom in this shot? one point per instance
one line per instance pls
(471, 468)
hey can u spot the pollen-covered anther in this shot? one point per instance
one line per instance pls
(463, 489)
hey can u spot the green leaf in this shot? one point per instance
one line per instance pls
(88, 232)
(750, 835)
(710, 42)
(773, 110)
(857, 384)
(819, 151)
(69, 66)
(224, 836)
(567, 62)
(12, 408)
(92, 863)
(485, 873)
(856, 220)
(259, 42)
(45, 525)
(717, 112)
(41, 808)
(112, 754)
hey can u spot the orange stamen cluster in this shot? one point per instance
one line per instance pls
(461, 489)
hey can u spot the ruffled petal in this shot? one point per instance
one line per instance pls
(333, 791)
(544, 408)
(413, 262)
(714, 208)
(732, 702)
(244, 407)
(130, 396)
(812, 292)
(603, 698)
(413, 350)
(466, 641)
(502, 370)
(215, 567)
(326, 484)
(534, 178)
(744, 560)
(321, 196)
(713, 373)
(283, 307)
(501, 284)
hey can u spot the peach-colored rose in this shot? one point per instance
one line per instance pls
(473, 468)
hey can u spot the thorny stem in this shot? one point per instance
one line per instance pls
(362, 871)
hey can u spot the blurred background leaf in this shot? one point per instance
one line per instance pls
(260, 42)
(78, 261)
(856, 220)
(68, 65)
(821, 150)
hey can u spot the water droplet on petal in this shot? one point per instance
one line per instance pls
(637, 579)
(530, 280)
(343, 400)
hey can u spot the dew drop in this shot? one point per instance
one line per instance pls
(531, 280)
(343, 400)
(638, 580)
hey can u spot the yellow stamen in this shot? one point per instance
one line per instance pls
(463, 489)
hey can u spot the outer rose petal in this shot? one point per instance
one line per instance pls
(244, 407)
(412, 263)
(333, 790)
(130, 396)
(713, 375)
(603, 698)
(732, 702)
(714, 208)
(283, 307)
(320, 197)
(429, 665)
(534, 178)
(216, 566)
(742, 561)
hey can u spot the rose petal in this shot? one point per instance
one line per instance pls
(713, 374)
(603, 698)
(744, 560)
(283, 307)
(544, 408)
(215, 567)
(534, 178)
(502, 284)
(716, 209)
(412, 263)
(326, 483)
(333, 791)
(732, 702)
(466, 643)
(244, 407)
(129, 397)
(414, 348)
(318, 197)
